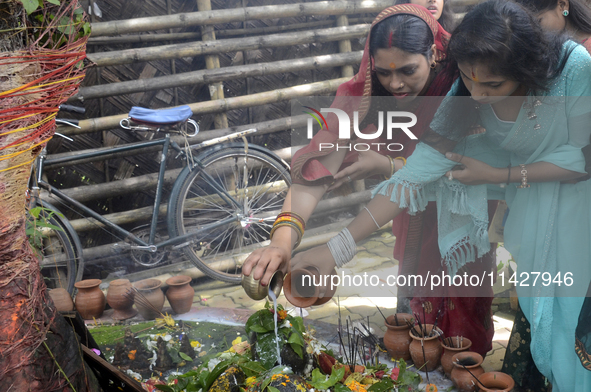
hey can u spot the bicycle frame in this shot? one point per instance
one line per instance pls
(166, 143)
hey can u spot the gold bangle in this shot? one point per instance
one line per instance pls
(291, 220)
(293, 226)
(293, 215)
(524, 183)
(392, 168)
(403, 159)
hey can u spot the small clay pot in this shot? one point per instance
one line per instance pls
(256, 291)
(396, 339)
(461, 378)
(117, 299)
(430, 358)
(180, 293)
(61, 299)
(449, 352)
(151, 292)
(496, 381)
(90, 300)
(304, 287)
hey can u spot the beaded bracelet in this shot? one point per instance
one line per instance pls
(524, 183)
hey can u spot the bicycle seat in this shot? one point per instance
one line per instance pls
(161, 116)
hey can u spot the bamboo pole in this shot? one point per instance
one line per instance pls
(318, 88)
(154, 23)
(217, 75)
(191, 49)
(345, 47)
(162, 37)
(212, 61)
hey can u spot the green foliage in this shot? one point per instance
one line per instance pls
(320, 382)
(263, 323)
(37, 226)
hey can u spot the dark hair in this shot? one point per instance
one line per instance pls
(447, 19)
(405, 32)
(579, 12)
(506, 37)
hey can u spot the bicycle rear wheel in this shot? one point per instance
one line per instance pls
(259, 187)
(61, 263)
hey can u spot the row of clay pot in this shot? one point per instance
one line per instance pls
(90, 300)
(428, 352)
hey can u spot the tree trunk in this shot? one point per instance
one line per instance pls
(39, 350)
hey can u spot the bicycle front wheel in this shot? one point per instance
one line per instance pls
(59, 249)
(227, 185)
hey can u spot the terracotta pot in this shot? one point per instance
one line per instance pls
(150, 291)
(61, 299)
(496, 381)
(90, 300)
(122, 305)
(449, 352)
(305, 287)
(397, 339)
(431, 345)
(180, 293)
(461, 378)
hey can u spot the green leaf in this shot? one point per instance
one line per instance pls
(298, 324)
(296, 338)
(319, 380)
(385, 384)
(252, 368)
(30, 5)
(66, 25)
(164, 388)
(258, 322)
(86, 27)
(216, 372)
(297, 349)
(185, 357)
(56, 2)
(341, 388)
(273, 389)
(267, 350)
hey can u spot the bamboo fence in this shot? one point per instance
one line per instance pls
(238, 32)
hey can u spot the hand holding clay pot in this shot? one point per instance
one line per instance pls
(467, 366)
(397, 339)
(90, 300)
(305, 287)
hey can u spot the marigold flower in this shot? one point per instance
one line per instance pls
(131, 354)
(431, 388)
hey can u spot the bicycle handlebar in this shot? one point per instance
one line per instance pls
(71, 108)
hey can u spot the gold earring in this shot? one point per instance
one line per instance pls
(434, 65)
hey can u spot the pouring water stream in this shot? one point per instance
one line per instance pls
(274, 298)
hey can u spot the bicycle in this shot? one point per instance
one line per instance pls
(222, 204)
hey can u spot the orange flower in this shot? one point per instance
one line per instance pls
(431, 388)
(131, 354)
(281, 314)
